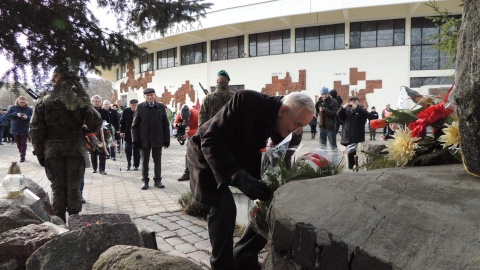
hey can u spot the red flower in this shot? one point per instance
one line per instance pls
(263, 150)
(378, 123)
(434, 113)
(418, 128)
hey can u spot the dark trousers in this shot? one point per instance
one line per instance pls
(313, 129)
(65, 174)
(21, 141)
(372, 133)
(112, 151)
(221, 225)
(101, 156)
(129, 149)
(157, 163)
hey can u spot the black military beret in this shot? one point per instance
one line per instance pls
(223, 73)
(133, 101)
(148, 91)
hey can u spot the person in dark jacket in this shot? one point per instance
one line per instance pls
(225, 151)
(313, 126)
(102, 157)
(20, 116)
(327, 108)
(3, 123)
(151, 132)
(372, 115)
(333, 93)
(126, 133)
(354, 117)
(114, 120)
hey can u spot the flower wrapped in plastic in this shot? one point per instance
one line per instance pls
(275, 173)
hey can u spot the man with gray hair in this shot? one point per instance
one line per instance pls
(225, 152)
(99, 156)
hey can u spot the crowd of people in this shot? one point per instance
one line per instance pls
(223, 141)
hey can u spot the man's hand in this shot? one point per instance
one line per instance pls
(19, 114)
(41, 160)
(166, 144)
(137, 145)
(25, 116)
(251, 187)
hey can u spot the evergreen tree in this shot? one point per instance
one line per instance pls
(64, 34)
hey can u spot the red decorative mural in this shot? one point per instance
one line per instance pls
(135, 84)
(356, 76)
(180, 95)
(284, 86)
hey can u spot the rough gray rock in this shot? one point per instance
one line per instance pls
(13, 215)
(365, 149)
(21, 242)
(80, 221)
(127, 257)
(79, 249)
(399, 218)
(8, 264)
(468, 84)
(36, 189)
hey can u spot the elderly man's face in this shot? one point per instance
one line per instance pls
(96, 103)
(106, 105)
(288, 121)
(150, 97)
(133, 106)
(119, 103)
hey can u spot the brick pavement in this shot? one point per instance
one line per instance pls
(119, 192)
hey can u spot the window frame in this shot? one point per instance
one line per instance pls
(265, 48)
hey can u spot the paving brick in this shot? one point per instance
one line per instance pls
(166, 234)
(165, 247)
(199, 256)
(196, 229)
(204, 234)
(166, 214)
(176, 253)
(204, 245)
(172, 226)
(200, 222)
(192, 238)
(182, 232)
(174, 241)
(173, 218)
(157, 228)
(184, 223)
(185, 248)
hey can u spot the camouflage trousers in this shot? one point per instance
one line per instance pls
(65, 174)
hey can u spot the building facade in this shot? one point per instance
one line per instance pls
(370, 49)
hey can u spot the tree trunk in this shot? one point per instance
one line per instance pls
(467, 94)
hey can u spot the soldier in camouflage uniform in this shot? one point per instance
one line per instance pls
(214, 102)
(58, 141)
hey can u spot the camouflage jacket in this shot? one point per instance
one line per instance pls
(214, 102)
(56, 131)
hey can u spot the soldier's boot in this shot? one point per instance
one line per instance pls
(158, 184)
(128, 166)
(184, 177)
(62, 216)
(145, 184)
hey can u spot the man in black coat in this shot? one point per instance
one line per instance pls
(327, 108)
(114, 120)
(225, 151)
(102, 157)
(126, 133)
(372, 115)
(151, 132)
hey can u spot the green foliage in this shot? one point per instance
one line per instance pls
(192, 207)
(401, 117)
(45, 34)
(446, 40)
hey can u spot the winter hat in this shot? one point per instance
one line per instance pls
(185, 112)
(333, 93)
(324, 90)
(133, 101)
(148, 91)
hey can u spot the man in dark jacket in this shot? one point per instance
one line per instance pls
(151, 132)
(126, 133)
(20, 116)
(102, 156)
(354, 117)
(225, 151)
(58, 142)
(327, 108)
(114, 120)
(372, 115)
(333, 93)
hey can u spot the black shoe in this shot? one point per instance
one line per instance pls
(83, 200)
(184, 177)
(114, 159)
(135, 169)
(22, 160)
(94, 171)
(128, 169)
(103, 173)
(145, 186)
(158, 184)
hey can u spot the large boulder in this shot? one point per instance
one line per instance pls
(79, 221)
(20, 243)
(399, 218)
(128, 257)
(80, 249)
(366, 152)
(36, 189)
(14, 214)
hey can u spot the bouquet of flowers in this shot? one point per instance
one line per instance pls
(275, 173)
(412, 145)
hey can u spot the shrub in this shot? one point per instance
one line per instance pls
(193, 208)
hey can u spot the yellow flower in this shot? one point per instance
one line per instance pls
(451, 136)
(402, 149)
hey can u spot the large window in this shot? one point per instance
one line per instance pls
(421, 81)
(121, 72)
(166, 58)
(228, 48)
(320, 38)
(270, 43)
(423, 55)
(377, 34)
(194, 54)
(146, 62)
